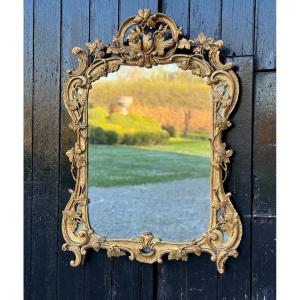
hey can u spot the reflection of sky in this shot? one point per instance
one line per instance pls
(123, 70)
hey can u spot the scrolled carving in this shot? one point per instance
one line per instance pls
(147, 40)
(147, 241)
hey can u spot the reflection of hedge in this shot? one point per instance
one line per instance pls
(99, 136)
(124, 129)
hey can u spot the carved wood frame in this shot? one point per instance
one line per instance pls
(153, 39)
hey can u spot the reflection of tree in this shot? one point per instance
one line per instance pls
(187, 118)
(175, 98)
(112, 108)
(130, 74)
(156, 73)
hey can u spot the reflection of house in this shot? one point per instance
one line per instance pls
(124, 102)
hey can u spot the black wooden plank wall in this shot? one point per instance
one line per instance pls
(51, 29)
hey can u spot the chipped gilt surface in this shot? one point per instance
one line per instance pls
(155, 39)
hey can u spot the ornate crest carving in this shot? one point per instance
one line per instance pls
(147, 40)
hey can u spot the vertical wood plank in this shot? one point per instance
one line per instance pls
(98, 276)
(239, 138)
(28, 95)
(237, 26)
(171, 280)
(264, 259)
(179, 12)
(27, 239)
(44, 241)
(74, 32)
(46, 90)
(235, 283)
(98, 267)
(264, 159)
(45, 148)
(265, 36)
(205, 17)
(194, 279)
(201, 278)
(103, 20)
(28, 87)
(131, 279)
(147, 281)
(130, 8)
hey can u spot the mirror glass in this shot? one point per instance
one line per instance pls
(149, 153)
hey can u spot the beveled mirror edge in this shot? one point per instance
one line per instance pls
(147, 48)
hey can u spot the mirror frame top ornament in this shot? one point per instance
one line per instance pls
(147, 40)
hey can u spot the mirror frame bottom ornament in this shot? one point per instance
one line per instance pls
(155, 39)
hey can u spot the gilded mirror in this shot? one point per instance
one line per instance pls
(149, 162)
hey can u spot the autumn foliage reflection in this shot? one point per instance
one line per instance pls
(173, 97)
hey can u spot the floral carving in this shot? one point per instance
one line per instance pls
(221, 96)
(184, 44)
(115, 251)
(73, 218)
(144, 18)
(178, 255)
(147, 40)
(203, 43)
(226, 224)
(222, 158)
(97, 48)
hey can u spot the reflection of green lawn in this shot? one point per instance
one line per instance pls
(185, 146)
(128, 165)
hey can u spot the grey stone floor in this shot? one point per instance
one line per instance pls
(174, 211)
